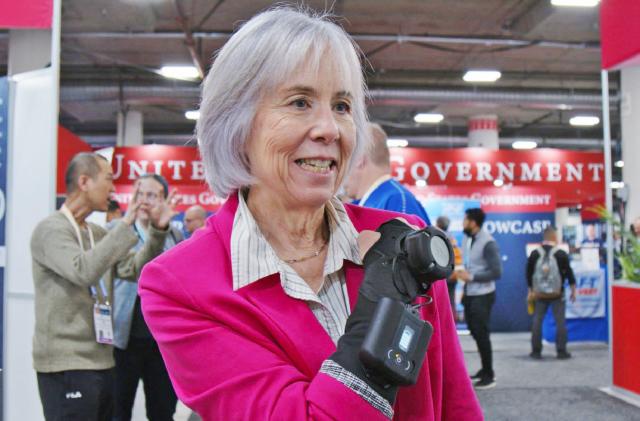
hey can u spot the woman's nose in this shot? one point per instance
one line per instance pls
(325, 127)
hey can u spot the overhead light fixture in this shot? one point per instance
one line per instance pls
(617, 184)
(428, 118)
(619, 164)
(180, 72)
(421, 183)
(498, 182)
(397, 143)
(584, 120)
(575, 3)
(481, 76)
(192, 115)
(524, 144)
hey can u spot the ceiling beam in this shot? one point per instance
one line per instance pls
(398, 38)
(530, 18)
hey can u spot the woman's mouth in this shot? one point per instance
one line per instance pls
(319, 166)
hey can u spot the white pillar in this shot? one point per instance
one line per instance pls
(483, 132)
(29, 49)
(130, 128)
(562, 220)
(34, 66)
(630, 119)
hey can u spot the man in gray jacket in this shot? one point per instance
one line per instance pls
(483, 267)
(73, 265)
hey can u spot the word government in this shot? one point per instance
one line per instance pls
(515, 200)
(510, 171)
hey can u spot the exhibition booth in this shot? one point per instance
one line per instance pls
(620, 49)
(522, 192)
(533, 185)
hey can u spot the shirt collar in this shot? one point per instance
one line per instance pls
(372, 188)
(253, 258)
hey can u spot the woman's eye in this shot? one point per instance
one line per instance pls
(300, 103)
(342, 107)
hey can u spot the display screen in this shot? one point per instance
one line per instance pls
(405, 339)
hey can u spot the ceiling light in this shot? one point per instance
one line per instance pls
(397, 143)
(431, 118)
(617, 184)
(421, 183)
(575, 3)
(619, 164)
(192, 115)
(524, 144)
(180, 72)
(499, 182)
(481, 76)
(584, 120)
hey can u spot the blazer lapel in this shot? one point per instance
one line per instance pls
(298, 331)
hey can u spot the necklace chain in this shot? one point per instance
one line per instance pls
(302, 259)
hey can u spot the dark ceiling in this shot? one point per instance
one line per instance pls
(418, 51)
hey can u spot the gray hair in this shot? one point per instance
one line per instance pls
(261, 55)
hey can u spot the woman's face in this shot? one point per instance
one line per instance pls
(303, 136)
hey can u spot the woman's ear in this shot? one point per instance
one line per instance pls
(83, 182)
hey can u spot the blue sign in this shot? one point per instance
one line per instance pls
(586, 319)
(512, 232)
(453, 209)
(4, 134)
(590, 294)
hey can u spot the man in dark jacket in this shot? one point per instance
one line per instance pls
(545, 300)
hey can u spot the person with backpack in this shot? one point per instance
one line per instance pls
(547, 268)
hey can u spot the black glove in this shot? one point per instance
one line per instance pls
(383, 277)
(385, 266)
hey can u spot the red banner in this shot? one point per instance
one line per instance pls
(68, 146)
(574, 176)
(620, 33)
(36, 14)
(187, 196)
(180, 165)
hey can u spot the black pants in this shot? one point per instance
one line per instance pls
(477, 313)
(83, 395)
(142, 360)
(558, 309)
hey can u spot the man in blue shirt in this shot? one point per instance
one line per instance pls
(371, 185)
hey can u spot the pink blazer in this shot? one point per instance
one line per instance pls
(254, 354)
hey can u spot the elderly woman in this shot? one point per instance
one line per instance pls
(262, 313)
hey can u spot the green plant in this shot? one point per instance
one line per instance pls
(629, 258)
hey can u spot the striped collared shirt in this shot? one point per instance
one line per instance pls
(253, 258)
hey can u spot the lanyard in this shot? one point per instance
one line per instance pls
(92, 289)
(67, 213)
